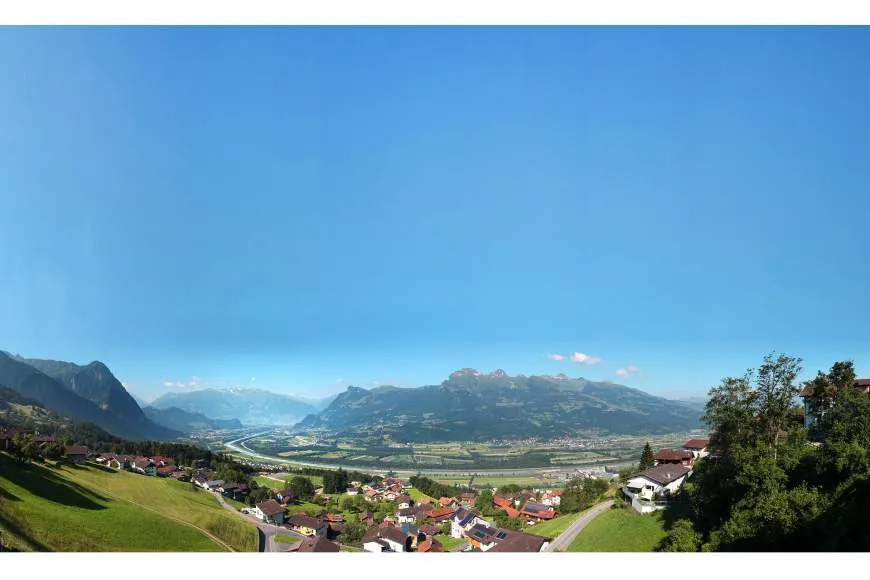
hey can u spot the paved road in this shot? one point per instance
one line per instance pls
(564, 540)
(267, 532)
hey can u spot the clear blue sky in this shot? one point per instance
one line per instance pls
(301, 209)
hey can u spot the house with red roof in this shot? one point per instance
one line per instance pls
(674, 457)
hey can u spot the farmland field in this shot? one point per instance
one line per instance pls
(92, 509)
(621, 530)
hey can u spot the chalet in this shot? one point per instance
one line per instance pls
(656, 483)
(429, 530)
(43, 440)
(501, 502)
(430, 545)
(269, 511)
(407, 516)
(404, 501)
(697, 447)
(388, 539)
(537, 511)
(307, 525)
(227, 488)
(468, 498)
(166, 470)
(200, 480)
(161, 461)
(285, 496)
(673, 457)
(481, 535)
(6, 436)
(450, 502)
(213, 484)
(390, 495)
(371, 494)
(77, 453)
(143, 465)
(316, 544)
(180, 476)
(807, 393)
(119, 461)
(367, 519)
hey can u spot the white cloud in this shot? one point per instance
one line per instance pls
(193, 383)
(584, 359)
(253, 379)
(339, 381)
(557, 357)
(627, 371)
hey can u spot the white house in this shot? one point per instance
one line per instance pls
(698, 447)
(462, 521)
(389, 539)
(655, 484)
(407, 515)
(213, 485)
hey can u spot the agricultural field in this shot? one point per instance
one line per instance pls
(418, 496)
(621, 530)
(92, 509)
(274, 481)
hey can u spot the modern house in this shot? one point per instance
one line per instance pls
(537, 511)
(407, 516)
(514, 541)
(674, 457)
(648, 490)
(462, 521)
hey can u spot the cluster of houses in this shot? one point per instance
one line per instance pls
(72, 453)
(649, 490)
(389, 489)
(156, 465)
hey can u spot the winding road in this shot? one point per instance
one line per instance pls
(266, 531)
(564, 540)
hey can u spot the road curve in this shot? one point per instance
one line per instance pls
(564, 540)
(266, 532)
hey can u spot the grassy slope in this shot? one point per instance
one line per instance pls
(177, 499)
(46, 509)
(276, 484)
(621, 530)
(418, 496)
(554, 527)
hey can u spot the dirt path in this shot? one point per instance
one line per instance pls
(564, 540)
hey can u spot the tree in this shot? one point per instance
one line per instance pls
(301, 487)
(646, 458)
(776, 389)
(681, 538)
(484, 502)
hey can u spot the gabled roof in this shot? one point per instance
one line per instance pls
(270, 507)
(317, 544)
(862, 383)
(672, 455)
(303, 521)
(696, 444)
(406, 512)
(442, 513)
(430, 545)
(394, 534)
(501, 502)
(76, 450)
(664, 474)
(519, 542)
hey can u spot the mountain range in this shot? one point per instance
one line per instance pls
(471, 405)
(250, 406)
(86, 393)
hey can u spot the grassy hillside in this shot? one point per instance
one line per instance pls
(554, 527)
(621, 530)
(90, 508)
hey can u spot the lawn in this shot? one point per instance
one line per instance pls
(418, 496)
(449, 543)
(554, 527)
(276, 483)
(63, 510)
(621, 530)
(239, 505)
(284, 538)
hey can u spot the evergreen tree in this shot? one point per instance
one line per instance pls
(646, 458)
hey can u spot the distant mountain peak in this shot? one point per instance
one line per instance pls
(498, 374)
(467, 372)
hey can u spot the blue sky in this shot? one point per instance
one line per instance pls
(302, 209)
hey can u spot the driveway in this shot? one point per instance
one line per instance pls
(564, 540)
(267, 532)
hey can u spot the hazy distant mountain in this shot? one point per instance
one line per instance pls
(474, 405)
(86, 393)
(187, 422)
(250, 406)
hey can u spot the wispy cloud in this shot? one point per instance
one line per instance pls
(253, 379)
(627, 371)
(193, 383)
(557, 357)
(584, 359)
